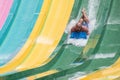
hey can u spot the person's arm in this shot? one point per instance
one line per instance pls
(80, 21)
(85, 29)
(84, 15)
(72, 29)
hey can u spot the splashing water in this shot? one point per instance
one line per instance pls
(92, 13)
(76, 76)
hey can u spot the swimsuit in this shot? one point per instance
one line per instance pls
(79, 35)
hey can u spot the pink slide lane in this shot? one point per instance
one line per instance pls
(5, 6)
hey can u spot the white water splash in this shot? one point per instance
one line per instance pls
(44, 40)
(103, 55)
(70, 25)
(92, 13)
(77, 42)
(77, 75)
(3, 59)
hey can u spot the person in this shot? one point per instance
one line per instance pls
(80, 30)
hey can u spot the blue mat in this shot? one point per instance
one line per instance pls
(78, 35)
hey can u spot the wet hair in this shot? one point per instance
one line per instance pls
(79, 25)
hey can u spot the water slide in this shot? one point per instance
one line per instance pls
(30, 42)
(23, 22)
(46, 42)
(67, 61)
(21, 25)
(65, 16)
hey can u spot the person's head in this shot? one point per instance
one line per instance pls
(78, 25)
(81, 20)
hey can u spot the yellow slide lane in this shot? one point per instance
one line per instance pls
(111, 76)
(20, 57)
(118, 78)
(42, 74)
(51, 34)
(108, 73)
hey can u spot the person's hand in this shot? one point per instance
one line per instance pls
(83, 10)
